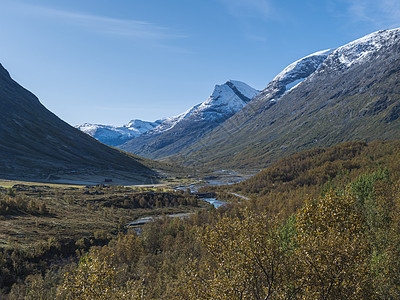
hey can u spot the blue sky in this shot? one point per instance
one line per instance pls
(107, 62)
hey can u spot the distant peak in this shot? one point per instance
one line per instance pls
(233, 82)
(242, 90)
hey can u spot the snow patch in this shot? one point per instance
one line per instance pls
(294, 84)
(361, 50)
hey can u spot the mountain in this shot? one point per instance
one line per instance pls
(35, 144)
(117, 135)
(291, 77)
(354, 94)
(177, 133)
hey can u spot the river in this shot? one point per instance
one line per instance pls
(227, 178)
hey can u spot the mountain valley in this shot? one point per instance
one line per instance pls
(329, 97)
(306, 171)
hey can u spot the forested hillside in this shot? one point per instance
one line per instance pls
(321, 224)
(283, 187)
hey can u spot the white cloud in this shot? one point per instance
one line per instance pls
(383, 13)
(134, 29)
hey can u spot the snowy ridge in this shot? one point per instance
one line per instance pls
(361, 50)
(141, 126)
(226, 99)
(292, 72)
(169, 123)
(293, 75)
(358, 51)
(117, 135)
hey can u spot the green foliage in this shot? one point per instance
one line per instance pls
(287, 233)
(324, 251)
(373, 208)
(363, 186)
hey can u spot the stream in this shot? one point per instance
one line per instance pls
(144, 220)
(222, 178)
(214, 201)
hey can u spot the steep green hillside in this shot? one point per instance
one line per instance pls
(337, 103)
(36, 144)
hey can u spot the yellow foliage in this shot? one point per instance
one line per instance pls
(95, 278)
(247, 259)
(332, 253)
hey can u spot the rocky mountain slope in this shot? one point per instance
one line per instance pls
(354, 94)
(117, 135)
(36, 144)
(182, 131)
(291, 77)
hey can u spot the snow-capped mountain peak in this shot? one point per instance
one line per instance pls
(226, 99)
(233, 95)
(185, 129)
(243, 89)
